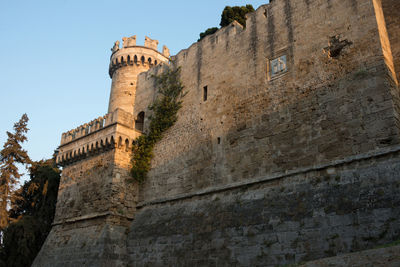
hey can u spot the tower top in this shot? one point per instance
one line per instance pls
(128, 42)
(131, 53)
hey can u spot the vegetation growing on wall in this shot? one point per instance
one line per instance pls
(165, 109)
(229, 14)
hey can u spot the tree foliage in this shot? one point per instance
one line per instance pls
(229, 14)
(11, 154)
(208, 32)
(33, 214)
(238, 13)
(165, 109)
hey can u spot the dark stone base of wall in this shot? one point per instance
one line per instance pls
(314, 214)
(382, 257)
(347, 207)
(85, 243)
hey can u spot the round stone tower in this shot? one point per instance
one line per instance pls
(125, 66)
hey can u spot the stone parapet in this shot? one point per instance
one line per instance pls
(131, 55)
(102, 134)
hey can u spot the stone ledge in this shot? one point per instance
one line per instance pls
(385, 257)
(91, 217)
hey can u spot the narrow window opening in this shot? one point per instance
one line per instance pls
(219, 140)
(126, 145)
(139, 123)
(205, 89)
(142, 59)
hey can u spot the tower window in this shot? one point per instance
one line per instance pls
(205, 89)
(139, 123)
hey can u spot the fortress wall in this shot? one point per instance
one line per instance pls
(95, 242)
(95, 175)
(254, 125)
(392, 18)
(310, 215)
(94, 186)
(95, 205)
(280, 163)
(391, 12)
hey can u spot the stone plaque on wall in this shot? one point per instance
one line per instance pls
(277, 66)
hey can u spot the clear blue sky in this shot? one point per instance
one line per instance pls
(55, 56)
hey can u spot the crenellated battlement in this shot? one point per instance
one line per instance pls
(134, 55)
(113, 130)
(87, 128)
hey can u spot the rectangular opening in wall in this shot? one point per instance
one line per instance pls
(205, 93)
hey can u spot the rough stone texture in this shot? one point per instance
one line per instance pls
(292, 155)
(320, 110)
(392, 18)
(310, 215)
(97, 197)
(391, 10)
(86, 243)
(383, 257)
(96, 202)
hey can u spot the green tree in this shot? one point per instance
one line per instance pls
(32, 215)
(229, 14)
(238, 13)
(11, 155)
(208, 32)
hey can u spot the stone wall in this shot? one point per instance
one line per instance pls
(275, 167)
(392, 18)
(345, 207)
(381, 257)
(286, 149)
(96, 203)
(253, 123)
(96, 186)
(95, 242)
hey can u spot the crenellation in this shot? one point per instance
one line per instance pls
(95, 136)
(165, 52)
(150, 43)
(286, 148)
(129, 42)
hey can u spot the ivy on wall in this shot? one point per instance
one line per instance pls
(165, 109)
